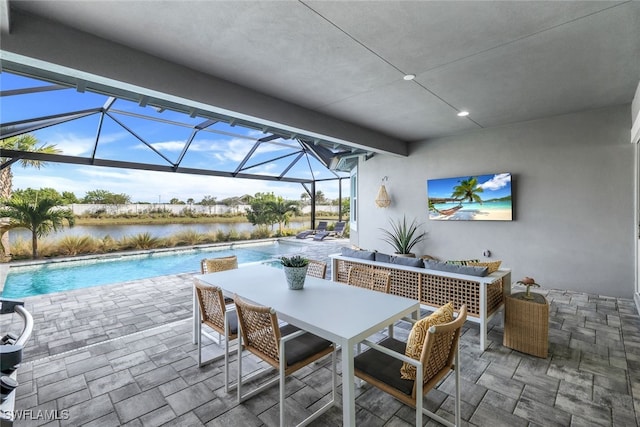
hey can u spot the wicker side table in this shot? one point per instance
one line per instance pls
(526, 324)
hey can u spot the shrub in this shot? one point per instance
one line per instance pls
(74, 245)
(107, 244)
(189, 212)
(286, 232)
(221, 236)
(233, 235)
(21, 249)
(99, 213)
(260, 233)
(142, 241)
(187, 237)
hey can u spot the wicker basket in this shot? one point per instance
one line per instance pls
(526, 324)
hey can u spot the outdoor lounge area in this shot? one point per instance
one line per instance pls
(503, 135)
(121, 355)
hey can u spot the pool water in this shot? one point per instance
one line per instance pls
(63, 276)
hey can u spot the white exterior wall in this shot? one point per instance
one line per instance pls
(573, 192)
(141, 208)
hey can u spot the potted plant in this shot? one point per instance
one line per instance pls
(295, 270)
(403, 236)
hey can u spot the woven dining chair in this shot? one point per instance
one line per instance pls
(369, 278)
(285, 348)
(213, 265)
(215, 314)
(381, 365)
(317, 269)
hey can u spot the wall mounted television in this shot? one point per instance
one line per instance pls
(471, 198)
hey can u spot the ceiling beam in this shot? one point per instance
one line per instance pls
(57, 158)
(29, 90)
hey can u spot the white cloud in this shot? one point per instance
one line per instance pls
(73, 144)
(233, 150)
(497, 182)
(165, 146)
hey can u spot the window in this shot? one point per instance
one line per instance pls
(353, 216)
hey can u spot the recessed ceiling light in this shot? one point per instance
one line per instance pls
(463, 114)
(409, 77)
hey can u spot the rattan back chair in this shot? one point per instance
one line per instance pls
(380, 366)
(359, 276)
(285, 348)
(212, 265)
(375, 280)
(367, 277)
(215, 314)
(317, 269)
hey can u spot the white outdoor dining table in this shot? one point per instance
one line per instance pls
(340, 313)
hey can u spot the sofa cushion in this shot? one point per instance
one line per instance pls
(410, 262)
(383, 366)
(352, 253)
(455, 268)
(493, 266)
(418, 334)
(380, 257)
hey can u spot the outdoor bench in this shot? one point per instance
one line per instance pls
(484, 296)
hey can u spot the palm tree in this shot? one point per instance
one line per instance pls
(282, 210)
(25, 142)
(40, 216)
(467, 190)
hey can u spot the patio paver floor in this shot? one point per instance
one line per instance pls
(122, 355)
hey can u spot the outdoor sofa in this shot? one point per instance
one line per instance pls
(484, 295)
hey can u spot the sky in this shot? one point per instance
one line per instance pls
(123, 137)
(494, 186)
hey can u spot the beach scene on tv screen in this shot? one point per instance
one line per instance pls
(471, 198)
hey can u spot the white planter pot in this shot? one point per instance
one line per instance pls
(295, 277)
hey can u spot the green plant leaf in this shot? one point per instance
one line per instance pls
(403, 236)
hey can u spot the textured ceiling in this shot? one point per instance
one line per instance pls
(504, 62)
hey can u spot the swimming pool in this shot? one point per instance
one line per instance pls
(25, 281)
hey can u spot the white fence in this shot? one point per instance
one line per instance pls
(143, 208)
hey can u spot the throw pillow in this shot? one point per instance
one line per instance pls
(357, 254)
(380, 257)
(492, 266)
(408, 261)
(419, 333)
(462, 261)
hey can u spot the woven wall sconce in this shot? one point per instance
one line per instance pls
(382, 199)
